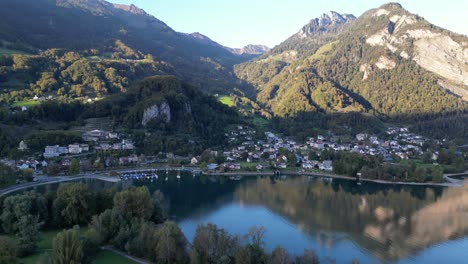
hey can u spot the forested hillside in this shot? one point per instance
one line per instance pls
(107, 31)
(376, 64)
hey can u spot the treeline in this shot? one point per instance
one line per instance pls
(371, 167)
(132, 220)
(69, 74)
(309, 124)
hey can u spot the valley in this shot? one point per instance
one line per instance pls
(90, 90)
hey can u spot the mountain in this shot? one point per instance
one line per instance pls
(174, 114)
(388, 62)
(251, 50)
(313, 35)
(116, 32)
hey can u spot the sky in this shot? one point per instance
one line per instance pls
(236, 23)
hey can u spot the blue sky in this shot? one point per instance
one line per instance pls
(236, 23)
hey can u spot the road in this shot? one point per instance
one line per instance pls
(58, 179)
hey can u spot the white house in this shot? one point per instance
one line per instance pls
(326, 165)
(194, 161)
(51, 151)
(74, 148)
(361, 136)
(22, 145)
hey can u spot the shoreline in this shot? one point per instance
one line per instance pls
(451, 182)
(454, 183)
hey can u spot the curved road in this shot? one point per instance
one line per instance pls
(51, 180)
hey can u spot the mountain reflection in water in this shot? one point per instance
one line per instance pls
(382, 222)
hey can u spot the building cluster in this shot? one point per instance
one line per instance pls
(56, 150)
(270, 151)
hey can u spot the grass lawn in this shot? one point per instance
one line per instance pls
(226, 100)
(248, 164)
(45, 245)
(27, 103)
(106, 256)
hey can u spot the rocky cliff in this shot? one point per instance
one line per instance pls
(155, 112)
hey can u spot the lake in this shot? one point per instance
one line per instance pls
(340, 220)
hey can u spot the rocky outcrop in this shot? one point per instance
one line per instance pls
(463, 93)
(162, 112)
(434, 51)
(250, 50)
(329, 22)
(442, 55)
(385, 63)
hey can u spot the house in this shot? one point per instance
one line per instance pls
(194, 161)
(22, 146)
(232, 166)
(23, 166)
(24, 108)
(63, 150)
(282, 158)
(51, 151)
(65, 162)
(362, 136)
(127, 144)
(281, 165)
(74, 148)
(259, 167)
(116, 146)
(310, 164)
(326, 165)
(84, 147)
(212, 166)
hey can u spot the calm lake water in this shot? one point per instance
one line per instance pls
(339, 219)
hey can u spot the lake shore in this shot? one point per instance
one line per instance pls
(450, 181)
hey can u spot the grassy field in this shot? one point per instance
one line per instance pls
(105, 257)
(227, 100)
(27, 103)
(44, 245)
(248, 164)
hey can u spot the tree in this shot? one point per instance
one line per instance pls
(8, 251)
(134, 202)
(309, 257)
(171, 245)
(7, 175)
(255, 236)
(74, 167)
(67, 247)
(73, 205)
(253, 251)
(213, 245)
(161, 207)
(279, 256)
(28, 235)
(22, 215)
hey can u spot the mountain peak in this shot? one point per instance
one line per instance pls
(327, 22)
(131, 9)
(392, 6)
(251, 50)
